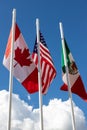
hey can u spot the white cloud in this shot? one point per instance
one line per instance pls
(57, 115)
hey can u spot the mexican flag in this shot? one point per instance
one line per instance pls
(76, 83)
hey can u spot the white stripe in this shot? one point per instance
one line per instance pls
(35, 58)
(46, 72)
(47, 59)
(48, 82)
(41, 44)
(42, 68)
(51, 71)
(46, 53)
(71, 57)
(72, 78)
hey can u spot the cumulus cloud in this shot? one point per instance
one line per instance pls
(57, 115)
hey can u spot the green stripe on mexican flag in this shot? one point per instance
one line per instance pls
(76, 83)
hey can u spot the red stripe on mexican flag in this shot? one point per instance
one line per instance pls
(77, 88)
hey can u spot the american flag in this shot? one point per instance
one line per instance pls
(48, 71)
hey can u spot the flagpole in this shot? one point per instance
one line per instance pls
(39, 74)
(11, 69)
(67, 76)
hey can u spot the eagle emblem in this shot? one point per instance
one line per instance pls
(73, 68)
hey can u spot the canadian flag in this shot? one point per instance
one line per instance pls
(24, 68)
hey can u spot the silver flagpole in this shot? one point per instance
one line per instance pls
(39, 75)
(11, 69)
(68, 81)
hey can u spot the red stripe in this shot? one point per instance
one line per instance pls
(17, 32)
(44, 70)
(35, 58)
(53, 74)
(44, 48)
(8, 47)
(77, 88)
(46, 53)
(45, 56)
(47, 83)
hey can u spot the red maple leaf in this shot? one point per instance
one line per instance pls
(22, 57)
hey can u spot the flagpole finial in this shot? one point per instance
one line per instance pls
(61, 30)
(37, 30)
(37, 21)
(14, 16)
(14, 11)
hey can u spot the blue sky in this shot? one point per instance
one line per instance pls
(73, 16)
